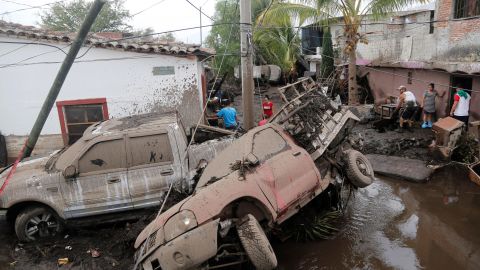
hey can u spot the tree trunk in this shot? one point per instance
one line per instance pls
(352, 79)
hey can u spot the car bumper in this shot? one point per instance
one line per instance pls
(186, 251)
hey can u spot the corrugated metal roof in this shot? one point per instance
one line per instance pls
(100, 40)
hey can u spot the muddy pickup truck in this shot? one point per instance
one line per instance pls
(254, 185)
(118, 165)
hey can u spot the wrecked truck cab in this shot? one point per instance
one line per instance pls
(255, 184)
(118, 165)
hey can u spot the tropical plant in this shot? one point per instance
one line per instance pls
(350, 13)
(68, 16)
(225, 35)
(327, 66)
(277, 42)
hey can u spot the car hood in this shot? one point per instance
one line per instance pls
(26, 169)
(157, 224)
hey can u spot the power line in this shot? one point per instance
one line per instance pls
(403, 76)
(21, 4)
(200, 10)
(147, 8)
(31, 7)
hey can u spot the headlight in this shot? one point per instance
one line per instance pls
(180, 223)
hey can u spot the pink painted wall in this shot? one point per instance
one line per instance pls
(385, 81)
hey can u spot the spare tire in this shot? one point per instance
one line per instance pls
(358, 168)
(256, 244)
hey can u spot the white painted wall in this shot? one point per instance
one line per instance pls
(128, 84)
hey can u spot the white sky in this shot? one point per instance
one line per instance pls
(168, 15)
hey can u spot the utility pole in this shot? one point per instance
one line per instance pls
(61, 75)
(201, 39)
(246, 62)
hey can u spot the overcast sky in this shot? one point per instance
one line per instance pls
(166, 15)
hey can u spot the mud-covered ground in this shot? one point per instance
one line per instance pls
(392, 224)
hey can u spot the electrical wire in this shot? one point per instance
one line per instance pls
(200, 10)
(403, 76)
(149, 7)
(32, 7)
(21, 4)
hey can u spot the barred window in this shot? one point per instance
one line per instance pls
(466, 8)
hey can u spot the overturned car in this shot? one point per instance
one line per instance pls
(255, 184)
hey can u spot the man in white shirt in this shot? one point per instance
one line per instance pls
(461, 105)
(407, 101)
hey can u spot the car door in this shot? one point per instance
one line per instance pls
(286, 173)
(101, 185)
(151, 167)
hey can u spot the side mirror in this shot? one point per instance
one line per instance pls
(70, 171)
(252, 159)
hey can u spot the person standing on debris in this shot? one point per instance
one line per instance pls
(428, 105)
(229, 115)
(461, 105)
(267, 107)
(408, 102)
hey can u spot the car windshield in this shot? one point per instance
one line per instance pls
(220, 165)
(69, 154)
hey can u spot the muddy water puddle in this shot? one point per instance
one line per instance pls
(394, 224)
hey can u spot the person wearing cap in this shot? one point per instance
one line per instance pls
(408, 102)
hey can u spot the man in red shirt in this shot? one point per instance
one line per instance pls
(267, 107)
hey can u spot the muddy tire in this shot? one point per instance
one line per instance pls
(256, 244)
(358, 168)
(37, 222)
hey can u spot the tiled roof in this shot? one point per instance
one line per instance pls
(109, 40)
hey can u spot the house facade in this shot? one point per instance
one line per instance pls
(131, 77)
(414, 48)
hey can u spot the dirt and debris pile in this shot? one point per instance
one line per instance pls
(106, 246)
(410, 145)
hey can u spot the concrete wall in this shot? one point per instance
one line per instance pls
(385, 81)
(45, 145)
(124, 78)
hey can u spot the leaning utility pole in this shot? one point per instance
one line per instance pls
(61, 75)
(246, 62)
(201, 38)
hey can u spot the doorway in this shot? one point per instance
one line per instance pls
(462, 81)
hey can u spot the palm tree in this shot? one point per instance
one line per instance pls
(350, 13)
(278, 43)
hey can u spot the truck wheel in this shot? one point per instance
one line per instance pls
(256, 244)
(359, 170)
(37, 222)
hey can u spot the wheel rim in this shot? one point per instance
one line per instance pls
(363, 167)
(41, 225)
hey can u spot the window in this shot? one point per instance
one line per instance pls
(432, 18)
(267, 143)
(165, 70)
(409, 77)
(150, 149)
(466, 8)
(106, 155)
(77, 115)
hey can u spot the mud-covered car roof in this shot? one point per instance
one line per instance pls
(117, 126)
